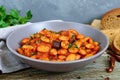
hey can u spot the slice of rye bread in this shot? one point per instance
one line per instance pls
(110, 33)
(116, 43)
(111, 19)
(116, 51)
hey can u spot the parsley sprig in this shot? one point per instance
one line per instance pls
(13, 17)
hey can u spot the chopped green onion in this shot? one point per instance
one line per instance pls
(70, 45)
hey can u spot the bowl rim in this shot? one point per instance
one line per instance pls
(56, 62)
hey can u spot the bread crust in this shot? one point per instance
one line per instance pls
(114, 50)
(110, 18)
(116, 45)
(111, 34)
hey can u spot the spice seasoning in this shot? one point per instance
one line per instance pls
(111, 65)
(117, 57)
(107, 78)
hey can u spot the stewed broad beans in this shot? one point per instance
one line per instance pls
(65, 45)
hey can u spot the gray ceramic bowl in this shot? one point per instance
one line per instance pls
(15, 37)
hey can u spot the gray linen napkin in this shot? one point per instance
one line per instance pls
(8, 62)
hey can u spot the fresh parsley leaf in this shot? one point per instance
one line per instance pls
(75, 46)
(13, 17)
(50, 58)
(22, 20)
(70, 45)
(2, 12)
(34, 53)
(15, 13)
(29, 15)
(2, 24)
(13, 22)
(2, 8)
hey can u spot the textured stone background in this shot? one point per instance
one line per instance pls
(83, 11)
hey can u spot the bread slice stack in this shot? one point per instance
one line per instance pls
(110, 26)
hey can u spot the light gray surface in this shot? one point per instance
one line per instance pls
(83, 11)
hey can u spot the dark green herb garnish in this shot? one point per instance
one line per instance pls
(37, 42)
(73, 36)
(75, 46)
(50, 58)
(70, 45)
(34, 53)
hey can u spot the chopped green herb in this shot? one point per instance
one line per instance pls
(34, 53)
(51, 58)
(52, 31)
(70, 45)
(41, 34)
(32, 36)
(73, 36)
(75, 46)
(38, 42)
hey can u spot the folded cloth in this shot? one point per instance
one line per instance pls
(8, 62)
(4, 32)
